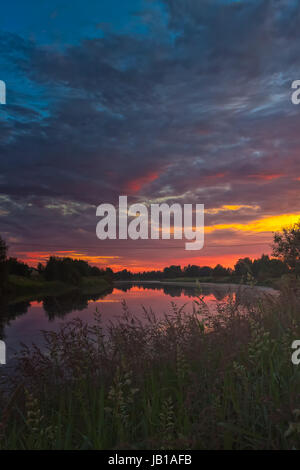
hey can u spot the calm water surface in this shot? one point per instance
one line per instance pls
(23, 322)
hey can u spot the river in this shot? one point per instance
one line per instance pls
(23, 321)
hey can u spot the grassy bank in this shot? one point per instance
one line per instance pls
(271, 282)
(200, 381)
(29, 288)
(22, 286)
(94, 285)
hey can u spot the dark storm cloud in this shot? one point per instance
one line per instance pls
(198, 107)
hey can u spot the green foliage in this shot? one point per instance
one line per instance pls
(3, 265)
(287, 246)
(18, 268)
(220, 271)
(172, 272)
(68, 270)
(20, 285)
(57, 276)
(264, 270)
(203, 380)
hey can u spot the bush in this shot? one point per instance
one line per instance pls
(206, 380)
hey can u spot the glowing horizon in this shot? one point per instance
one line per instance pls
(94, 112)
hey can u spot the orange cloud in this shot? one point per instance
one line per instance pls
(35, 257)
(227, 260)
(267, 224)
(216, 175)
(135, 185)
(266, 177)
(225, 208)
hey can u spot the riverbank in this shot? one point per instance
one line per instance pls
(226, 286)
(185, 381)
(23, 288)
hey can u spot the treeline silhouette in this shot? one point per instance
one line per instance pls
(69, 270)
(286, 260)
(261, 269)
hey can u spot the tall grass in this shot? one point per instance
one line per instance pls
(206, 380)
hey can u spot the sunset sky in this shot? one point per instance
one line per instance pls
(182, 101)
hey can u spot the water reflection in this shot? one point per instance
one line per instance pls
(218, 292)
(10, 311)
(23, 321)
(59, 307)
(54, 306)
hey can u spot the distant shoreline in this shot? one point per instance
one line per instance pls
(267, 290)
(28, 289)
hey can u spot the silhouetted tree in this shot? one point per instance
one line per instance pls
(265, 267)
(220, 271)
(243, 267)
(40, 268)
(18, 268)
(3, 265)
(172, 272)
(287, 246)
(197, 271)
(68, 270)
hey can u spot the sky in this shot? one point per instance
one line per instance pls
(161, 100)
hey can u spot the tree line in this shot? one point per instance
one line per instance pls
(67, 270)
(285, 261)
(261, 269)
